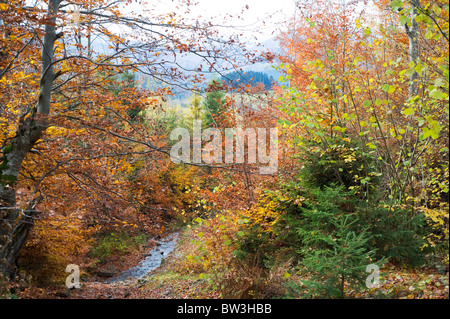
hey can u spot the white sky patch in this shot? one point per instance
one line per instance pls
(263, 18)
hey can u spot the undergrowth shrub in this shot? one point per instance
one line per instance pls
(246, 279)
(255, 246)
(397, 232)
(338, 161)
(114, 244)
(334, 221)
(334, 249)
(55, 242)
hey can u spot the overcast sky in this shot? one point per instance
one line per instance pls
(262, 16)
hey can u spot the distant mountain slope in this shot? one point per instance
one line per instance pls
(252, 78)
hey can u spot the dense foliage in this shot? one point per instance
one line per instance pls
(362, 114)
(237, 80)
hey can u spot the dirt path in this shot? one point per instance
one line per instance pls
(125, 285)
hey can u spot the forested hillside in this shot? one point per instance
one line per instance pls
(329, 182)
(237, 80)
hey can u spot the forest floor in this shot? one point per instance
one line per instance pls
(165, 282)
(169, 281)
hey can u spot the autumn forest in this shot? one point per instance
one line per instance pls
(150, 152)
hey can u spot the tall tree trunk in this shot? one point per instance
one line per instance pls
(414, 47)
(15, 225)
(14, 154)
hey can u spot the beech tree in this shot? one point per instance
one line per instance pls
(57, 60)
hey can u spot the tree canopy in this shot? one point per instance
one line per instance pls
(355, 131)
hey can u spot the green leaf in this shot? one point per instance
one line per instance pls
(436, 94)
(409, 111)
(371, 145)
(409, 72)
(319, 133)
(426, 133)
(367, 103)
(439, 82)
(396, 4)
(376, 174)
(433, 132)
(419, 68)
(422, 17)
(391, 89)
(405, 20)
(436, 9)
